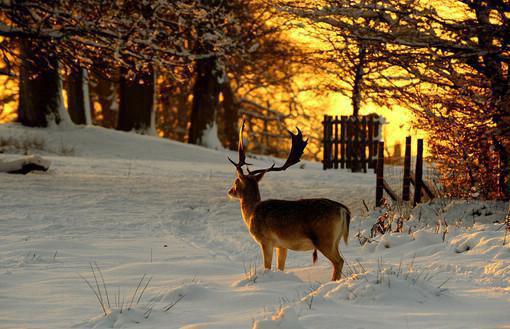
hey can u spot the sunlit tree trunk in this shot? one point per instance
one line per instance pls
(136, 105)
(40, 88)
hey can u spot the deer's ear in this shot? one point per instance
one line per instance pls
(259, 176)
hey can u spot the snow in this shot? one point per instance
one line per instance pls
(17, 163)
(209, 137)
(138, 205)
(86, 97)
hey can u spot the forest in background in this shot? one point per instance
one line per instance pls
(189, 70)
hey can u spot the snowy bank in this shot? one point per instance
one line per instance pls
(140, 205)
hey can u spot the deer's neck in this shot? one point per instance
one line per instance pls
(248, 204)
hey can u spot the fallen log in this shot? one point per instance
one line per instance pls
(25, 165)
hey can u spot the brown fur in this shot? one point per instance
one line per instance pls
(308, 224)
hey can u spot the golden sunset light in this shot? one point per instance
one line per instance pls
(253, 164)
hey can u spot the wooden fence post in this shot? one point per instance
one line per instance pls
(335, 125)
(376, 132)
(379, 189)
(363, 146)
(370, 142)
(418, 174)
(326, 151)
(406, 195)
(343, 133)
(348, 142)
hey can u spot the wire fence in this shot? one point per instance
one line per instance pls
(394, 177)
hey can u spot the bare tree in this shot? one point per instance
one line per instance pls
(448, 61)
(136, 107)
(256, 56)
(206, 92)
(129, 34)
(40, 86)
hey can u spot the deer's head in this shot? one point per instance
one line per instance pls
(246, 184)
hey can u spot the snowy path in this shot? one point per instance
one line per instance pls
(170, 218)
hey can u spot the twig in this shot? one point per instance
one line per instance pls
(439, 287)
(136, 290)
(366, 207)
(95, 293)
(148, 312)
(104, 284)
(141, 294)
(97, 284)
(166, 309)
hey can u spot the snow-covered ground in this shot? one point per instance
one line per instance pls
(137, 205)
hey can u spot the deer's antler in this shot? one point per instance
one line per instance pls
(242, 155)
(296, 151)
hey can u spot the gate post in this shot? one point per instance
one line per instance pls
(370, 142)
(343, 141)
(326, 154)
(363, 146)
(418, 174)
(407, 171)
(335, 140)
(379, 188)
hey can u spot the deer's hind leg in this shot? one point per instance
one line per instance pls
(267, 254)
(330, 251)
(281, 254)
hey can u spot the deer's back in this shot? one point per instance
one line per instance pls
(295, 218)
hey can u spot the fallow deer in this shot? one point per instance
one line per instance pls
(307, 224)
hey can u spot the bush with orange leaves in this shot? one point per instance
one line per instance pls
(466, 148)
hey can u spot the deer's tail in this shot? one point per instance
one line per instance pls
(346, 216)
(314, 256)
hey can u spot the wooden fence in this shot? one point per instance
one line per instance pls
(351, 142)
(415, 178)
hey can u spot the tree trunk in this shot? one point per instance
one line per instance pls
(207, 88)
(136, 105)
(502, 143)
(40, 88)
(105, 92)
(78, 100)
(206, 92)
(358, 80)
(231, 115)
(493, 69)
(356, 105)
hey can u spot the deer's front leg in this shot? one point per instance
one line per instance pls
(281, 254)
(267, 253)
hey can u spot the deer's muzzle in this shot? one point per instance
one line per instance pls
(232, 192)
